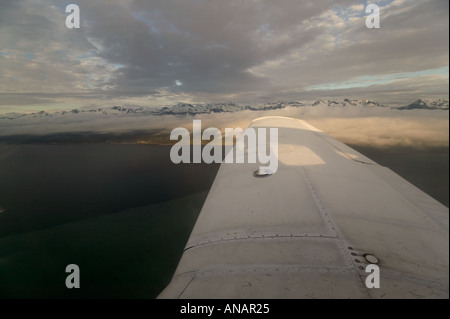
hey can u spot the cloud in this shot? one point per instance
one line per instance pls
(416, 129)
(218, 50)
(373, 126)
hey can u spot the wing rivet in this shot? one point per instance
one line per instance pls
(371, 259)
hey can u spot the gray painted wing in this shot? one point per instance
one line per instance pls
(304, 232)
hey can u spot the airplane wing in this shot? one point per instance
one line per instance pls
(311, 229)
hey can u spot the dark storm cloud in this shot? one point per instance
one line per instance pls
(213, 49)
(207, 45)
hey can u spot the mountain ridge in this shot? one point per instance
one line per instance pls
(229, 107)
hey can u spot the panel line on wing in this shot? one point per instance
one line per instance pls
(344, 246)
(269, 269)
(211, 242)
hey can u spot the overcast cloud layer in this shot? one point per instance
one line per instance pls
(158, 52)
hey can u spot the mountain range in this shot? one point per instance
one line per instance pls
(427, 104)
(192, 109)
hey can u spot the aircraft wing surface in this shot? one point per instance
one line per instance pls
(311, 229)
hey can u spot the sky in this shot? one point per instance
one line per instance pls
(161, 52)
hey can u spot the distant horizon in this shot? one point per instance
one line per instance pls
(360, 123)
(54, 108)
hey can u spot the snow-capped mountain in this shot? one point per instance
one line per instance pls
(347, 102)
(274, 105)
(428, 104)
(193, 109)
(113, 110)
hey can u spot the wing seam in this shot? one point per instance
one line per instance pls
(344, 245)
